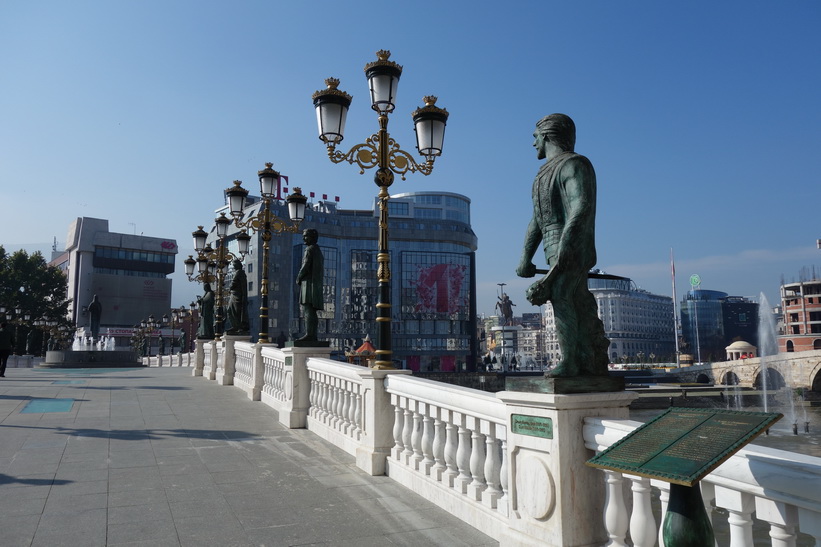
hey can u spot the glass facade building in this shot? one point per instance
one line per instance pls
(712, 320)
(433, 273)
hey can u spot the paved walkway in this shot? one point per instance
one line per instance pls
(157, 457)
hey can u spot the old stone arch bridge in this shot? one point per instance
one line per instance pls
(801, 369)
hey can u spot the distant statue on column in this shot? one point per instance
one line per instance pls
(309, 280)
(206, 305)
(238, 302)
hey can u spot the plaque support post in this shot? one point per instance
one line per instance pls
(686, 523)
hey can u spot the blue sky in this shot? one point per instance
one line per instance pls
(701, 119)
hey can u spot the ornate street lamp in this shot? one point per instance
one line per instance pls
(212, 265)
(383, 152)
(267, 223)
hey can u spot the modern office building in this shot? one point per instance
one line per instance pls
(433, 273)
(801, 305)
(639, 324)
(128, 273)
(712, 320)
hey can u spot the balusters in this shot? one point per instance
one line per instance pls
(407, 453)
(357, 413)
(782, 518)
(416, 436)
(616, 519)
(451, 447)
(463, 457)
(427, 440)
(740, 506)
(493, 465)
(438, 447)
(477, 462)
(502, 504)
(398, 426)
(642, 523)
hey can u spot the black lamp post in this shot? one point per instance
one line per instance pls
(382, 152)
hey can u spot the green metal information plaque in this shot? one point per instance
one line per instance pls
(682, 445)
(535, 426)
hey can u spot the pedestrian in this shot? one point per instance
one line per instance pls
(6, 344)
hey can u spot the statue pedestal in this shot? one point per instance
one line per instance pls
(564, 386)
(555, 498)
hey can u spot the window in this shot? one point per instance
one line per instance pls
(424, 212)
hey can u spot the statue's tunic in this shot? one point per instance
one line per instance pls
(552, 203)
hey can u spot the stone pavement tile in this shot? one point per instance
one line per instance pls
(187, 480)
(45, 441)
(90, 470)
(89, 525)
(350, 478)
(18, 531)
(80, 488)
(136, 458)
(212, 530)
(134, 478)
(11, 506)
(436, 537)
(136, 497)
(198, 507)
(145, 512)
(22, 466)
(154, 533)
(81, 502)
(177, 494)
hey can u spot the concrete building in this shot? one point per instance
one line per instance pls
(801, 305)
(128, 273)
(638, 324)
(433, 267)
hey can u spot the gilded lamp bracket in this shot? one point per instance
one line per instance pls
(366, 156)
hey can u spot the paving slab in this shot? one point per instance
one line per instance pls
(157, 457)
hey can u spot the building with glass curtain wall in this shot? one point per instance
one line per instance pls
(433, 273)
(712, 320)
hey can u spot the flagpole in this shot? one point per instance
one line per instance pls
(675, 308)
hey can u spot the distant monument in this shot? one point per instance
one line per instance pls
(95, 312)
(563, 221)
(505, 307)
(309, 280)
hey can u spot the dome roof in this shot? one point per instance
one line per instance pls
(740, 345)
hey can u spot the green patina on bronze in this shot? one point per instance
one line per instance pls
(534, 426)
(563, 222)
(683, 445)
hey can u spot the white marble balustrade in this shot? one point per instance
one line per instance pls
(273, 376)
(775, 487)
(336, 401)
(450, 442)
(244, 372)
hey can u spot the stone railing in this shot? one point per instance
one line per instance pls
(511, 464)
(757, 483)
(173, 360)
(451, 443)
